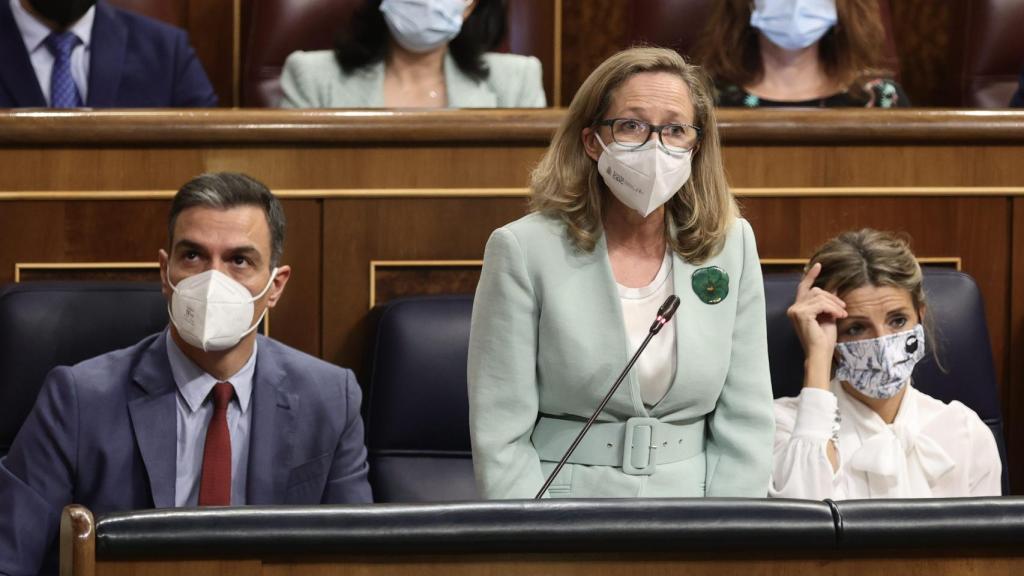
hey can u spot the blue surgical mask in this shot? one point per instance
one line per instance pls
(880, 367)
(423, 25)
(794, 24)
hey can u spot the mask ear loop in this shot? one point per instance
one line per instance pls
(273, 274)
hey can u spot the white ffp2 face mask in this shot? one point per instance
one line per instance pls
(212, 311)
(645, 177)
(794, 24)
(423, 25)
(880, 367)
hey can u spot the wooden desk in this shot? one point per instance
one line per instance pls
(384, 203)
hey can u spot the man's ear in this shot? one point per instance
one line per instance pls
(165, 285)
(277, 288)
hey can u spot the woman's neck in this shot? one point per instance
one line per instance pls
(626, 229)
(791, 75)
(414, 80)
(413, 67)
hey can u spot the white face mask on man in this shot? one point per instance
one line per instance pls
(212, 311)
(423, 25)
(794, 24)
(644, 177)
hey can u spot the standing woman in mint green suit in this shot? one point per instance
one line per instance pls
(630, 205)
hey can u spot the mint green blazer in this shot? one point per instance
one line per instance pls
(547, 337)
(315, 80)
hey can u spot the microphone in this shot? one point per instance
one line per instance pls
(665, 313)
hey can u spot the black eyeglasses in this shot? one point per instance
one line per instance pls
(634, 133)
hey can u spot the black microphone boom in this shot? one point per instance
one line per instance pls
(665, 313)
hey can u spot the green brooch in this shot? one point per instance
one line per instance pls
(711, 284)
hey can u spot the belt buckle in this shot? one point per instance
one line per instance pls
(638, 446)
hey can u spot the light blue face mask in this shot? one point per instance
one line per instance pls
(794, 24)
(423, 25)
(880, 367)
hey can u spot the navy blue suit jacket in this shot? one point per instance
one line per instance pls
(103, 434)
(135, 62)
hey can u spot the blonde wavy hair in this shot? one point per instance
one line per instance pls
(566, 183)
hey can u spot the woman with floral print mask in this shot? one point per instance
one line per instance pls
(859, 429)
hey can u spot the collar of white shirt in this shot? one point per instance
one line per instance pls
(34, 32)
(884, 446)
(195, 384)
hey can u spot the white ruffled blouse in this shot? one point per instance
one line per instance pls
(931, 450)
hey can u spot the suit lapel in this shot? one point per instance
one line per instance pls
(109, 40)
(154, 423)
(16, 73)
(463, 91)
(273, 430)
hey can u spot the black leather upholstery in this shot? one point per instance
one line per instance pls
(470, 527)
(45, 324)
(958, 315)
(416, 407)
(955, 523)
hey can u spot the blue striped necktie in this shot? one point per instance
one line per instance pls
(63, 92)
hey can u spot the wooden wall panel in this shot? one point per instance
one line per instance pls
(357, 231)
(1013, 406)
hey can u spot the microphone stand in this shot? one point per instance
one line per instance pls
(664, 315)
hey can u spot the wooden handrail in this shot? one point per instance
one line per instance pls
(77, 541)
(499, 127)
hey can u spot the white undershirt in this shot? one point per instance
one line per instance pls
(656, 367)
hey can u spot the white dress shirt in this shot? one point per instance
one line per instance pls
(34, 34)
(931, 450)
(656, 367)
(195, 410)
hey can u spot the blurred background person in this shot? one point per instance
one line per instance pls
(75, 53)
(630, 205)
(859, 428)
(416, 54)
(806, 53)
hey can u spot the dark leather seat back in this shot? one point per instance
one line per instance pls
(993, 52)
(416, 405)
(48, 324)
(273, 29)
(958, 314)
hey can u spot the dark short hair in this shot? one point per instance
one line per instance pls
(364, 40)
(223, 190)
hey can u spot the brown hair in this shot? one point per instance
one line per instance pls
(566, 183)
(850, 51)
(869, 257)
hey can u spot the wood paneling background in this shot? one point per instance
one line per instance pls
(416, 186)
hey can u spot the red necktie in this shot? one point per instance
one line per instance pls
(215, 485)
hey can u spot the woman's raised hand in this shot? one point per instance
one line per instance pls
(814, 315)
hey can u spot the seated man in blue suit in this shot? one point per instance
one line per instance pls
(206, 412)
(74, 53)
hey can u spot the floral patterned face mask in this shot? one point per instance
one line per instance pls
(880, 367)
